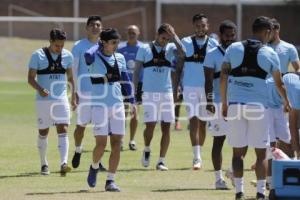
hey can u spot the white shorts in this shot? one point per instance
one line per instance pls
(108, 120)
(195, 102)
(52, 112)
(84, 110)
(158, 106)
(218, 126)
(278, 125)
(247, 126)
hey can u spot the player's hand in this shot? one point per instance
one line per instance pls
(74, 101)
(170, 30)
(211, 108)
(44, 92)
(224, 110)
(133, 110)
(286, 106)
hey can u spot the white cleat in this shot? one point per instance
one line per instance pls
(197, 164)
(146, 158)
(229, 175)
(221, 185)
(161, 166)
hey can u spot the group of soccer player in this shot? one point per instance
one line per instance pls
(242, 88)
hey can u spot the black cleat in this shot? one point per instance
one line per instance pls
(76, 160)
(111, 186)
(260, 196)
(239, 196)
(45, 170)
(101, 168)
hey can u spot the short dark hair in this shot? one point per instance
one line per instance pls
(162, 28)
(57, 34)
(261, 23)
(226, 24)
(109, 34)
(93, 18)
(199, 17)
(276, 24)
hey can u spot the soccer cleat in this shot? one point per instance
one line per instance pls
(272, 195)
(197, 164)
(146, 158)
(110, 186)
(254, 183)
(64, 169)
(260, 196)
(132, 146)
(221, 185)
(161, 166)
(239, 196)
(45, 170)
(76, 160)
(92, 177)
(101, 167)
(229, 175)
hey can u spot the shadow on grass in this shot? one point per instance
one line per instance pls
(65, 192)
(183, 189)
(30, 174)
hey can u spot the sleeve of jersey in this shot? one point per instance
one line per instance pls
(89, 55)
(127, 88)
(294, 54)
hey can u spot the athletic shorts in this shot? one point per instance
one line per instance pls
(84, 110)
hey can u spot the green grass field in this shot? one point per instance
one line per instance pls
(19, 160)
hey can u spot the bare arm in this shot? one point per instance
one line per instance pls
(177, 42)
(31, 81)
(136, 74)
(281, 90)
(69, 72)
(296, 66)
(209, 77)
(225, 71)
(178, 75)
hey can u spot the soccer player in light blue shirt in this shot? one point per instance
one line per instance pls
(129, 50)
(84, 86)
(193, 82)
(248, 63)
(158, 103)
(108, 74)
(212, 69)
(48, 68)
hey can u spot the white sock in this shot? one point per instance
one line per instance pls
(78, 149)
(219, 175)
(110, 176)
(269, 181)
(147, 149)
(95, 165)
(239, 185)
(261, 186)
(197, 152)
(42, 143)
(161, 160)
(63, 146)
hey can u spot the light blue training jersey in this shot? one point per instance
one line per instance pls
(214, 60)
(83, 81)
(249, 89)
(193, 72)
(287, 53)
(129, 52)
(156, 79)
(56, 84)
(292, 84)
(107, 94)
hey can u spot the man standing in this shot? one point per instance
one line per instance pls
(158, 103)
(107, 70)
(50, 65)
(193, 83)
(248, 63)
(212, 68)
(129, 50)
(84, 85)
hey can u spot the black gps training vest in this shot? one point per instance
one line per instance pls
(158, 60)
(199, 54)
(217, 74)
(54, 66)
(112, 75)
(249, 66)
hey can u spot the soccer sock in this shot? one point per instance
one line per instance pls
(147, 149)
(219, 175)
(95, 165)
(110, 176)
(63, 146)
(78, 149)
(269, 181)
(42, 144)
(239, 185)
(261, 186)
(161, 160)
(196, 151)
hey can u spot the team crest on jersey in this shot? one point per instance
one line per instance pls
(52, 68)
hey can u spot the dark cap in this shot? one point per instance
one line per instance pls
(276, 24)
(109, 34)
(262, 23)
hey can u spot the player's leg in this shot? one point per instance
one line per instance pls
(133, 128)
